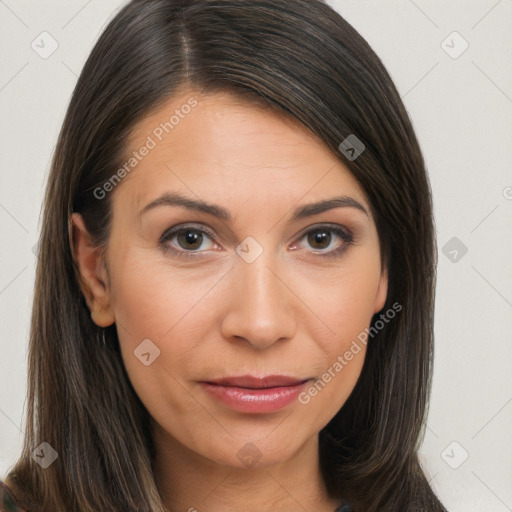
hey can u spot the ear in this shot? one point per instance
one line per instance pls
(382, 290)
(93, 274)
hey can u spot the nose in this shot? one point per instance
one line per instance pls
(260, 307)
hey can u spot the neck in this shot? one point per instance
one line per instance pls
(189, 482)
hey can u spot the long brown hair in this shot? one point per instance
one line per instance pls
(299, 58)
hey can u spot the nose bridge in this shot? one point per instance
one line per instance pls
(261, 310)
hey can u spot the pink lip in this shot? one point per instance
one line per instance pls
(255, 394)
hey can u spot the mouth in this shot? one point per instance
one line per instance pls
(250, 382)
(253, 394)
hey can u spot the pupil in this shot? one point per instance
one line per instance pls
(190, 237)
(319, 237)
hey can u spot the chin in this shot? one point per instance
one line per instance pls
(259, 452)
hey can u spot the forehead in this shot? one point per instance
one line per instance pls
(215, 144)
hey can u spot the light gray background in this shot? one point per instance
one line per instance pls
(462, 111)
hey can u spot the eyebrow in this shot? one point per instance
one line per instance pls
(308, 210)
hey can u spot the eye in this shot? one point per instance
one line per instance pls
(188, 240)
(321, 237)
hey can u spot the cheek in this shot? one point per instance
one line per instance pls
(344, 299)
(351, 308)
(159, 313)
(343, 360)
(152, 299)
(345, 302)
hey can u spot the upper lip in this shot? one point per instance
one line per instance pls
(253, 382)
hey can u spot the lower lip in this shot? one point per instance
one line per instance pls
(254, 400)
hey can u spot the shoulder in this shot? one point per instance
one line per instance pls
(8, 502)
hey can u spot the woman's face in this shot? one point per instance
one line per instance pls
(263, 291)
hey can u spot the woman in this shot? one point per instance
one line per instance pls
(234, 293)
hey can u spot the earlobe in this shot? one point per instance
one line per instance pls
(89, 260)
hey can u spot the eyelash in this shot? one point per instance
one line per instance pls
(343, 233)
